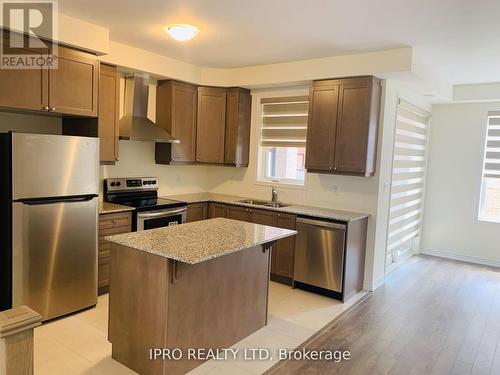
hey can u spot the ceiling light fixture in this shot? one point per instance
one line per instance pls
(181, 32)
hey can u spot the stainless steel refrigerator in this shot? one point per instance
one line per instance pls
(49, 208)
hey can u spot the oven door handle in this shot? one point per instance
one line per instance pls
(162, 214)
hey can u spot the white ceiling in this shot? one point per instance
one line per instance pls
(460, 39)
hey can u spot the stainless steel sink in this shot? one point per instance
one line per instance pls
(263, 203)
(276, 204)
(254, 202)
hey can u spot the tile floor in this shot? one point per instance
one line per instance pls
(78, 344)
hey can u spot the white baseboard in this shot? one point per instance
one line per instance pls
(377, 283)
(461, 257)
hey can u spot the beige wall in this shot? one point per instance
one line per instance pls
(451, 227)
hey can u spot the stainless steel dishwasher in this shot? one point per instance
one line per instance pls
(319, 253)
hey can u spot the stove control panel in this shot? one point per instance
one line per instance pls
(131, 184)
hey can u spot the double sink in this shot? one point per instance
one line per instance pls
(256, 202)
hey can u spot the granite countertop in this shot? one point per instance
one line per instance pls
(108, 208)
(201, 240)
(325, 213)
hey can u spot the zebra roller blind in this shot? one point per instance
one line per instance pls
(491, 167)
(408, 174)
(284, 122)
(489, 204)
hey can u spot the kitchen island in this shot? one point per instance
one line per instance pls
(201, 285)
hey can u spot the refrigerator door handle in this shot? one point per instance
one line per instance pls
(38, 201)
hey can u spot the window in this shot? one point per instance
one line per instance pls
(408, 180)
(283, 139)
(489, 203)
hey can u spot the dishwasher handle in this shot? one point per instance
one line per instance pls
(321, 223)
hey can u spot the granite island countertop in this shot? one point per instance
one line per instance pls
(201, 240)
(319, 212)
(108, 208)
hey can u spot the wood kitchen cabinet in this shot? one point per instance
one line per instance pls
(109, 224)
(343, 126)
(71, 89)
(211, 125)
(216, 210)
(197, 211)
(282, 259)
(176, 107)
(106, 125)
(237, 136)
(73, 86)
(284, 251)
(238, 213)
(25, 89)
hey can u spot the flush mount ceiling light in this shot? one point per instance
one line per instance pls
(181, 32)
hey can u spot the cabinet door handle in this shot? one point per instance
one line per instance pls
(53, 109)
(45, 108)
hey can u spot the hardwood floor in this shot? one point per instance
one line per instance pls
(433, 316)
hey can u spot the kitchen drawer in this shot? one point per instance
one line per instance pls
(104, 250)
(107, 221)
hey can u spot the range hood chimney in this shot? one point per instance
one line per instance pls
(135, 125)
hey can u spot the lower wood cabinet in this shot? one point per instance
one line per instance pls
(216, 210)
(197, 211)
(109, 224)
(238, 213)
(285, 248)
(283, 252)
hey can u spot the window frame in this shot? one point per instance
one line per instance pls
(262, 157)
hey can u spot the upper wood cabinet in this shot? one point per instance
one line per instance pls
(176, 106)
(24, 89)
(343, 126)
(108, 127)
(70, 89)
(211, 125)
(321, 127)
(74, 84)
(238, 113)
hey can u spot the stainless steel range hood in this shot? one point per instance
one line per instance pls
(135, 124)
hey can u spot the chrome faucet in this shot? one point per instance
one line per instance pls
(274, 195)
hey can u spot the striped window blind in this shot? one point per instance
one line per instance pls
(489, 204)
(284, 121)
(491, 167)
(408, 175)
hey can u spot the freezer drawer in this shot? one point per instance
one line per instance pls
(319, 253)
(54, 166)
(54, 260)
